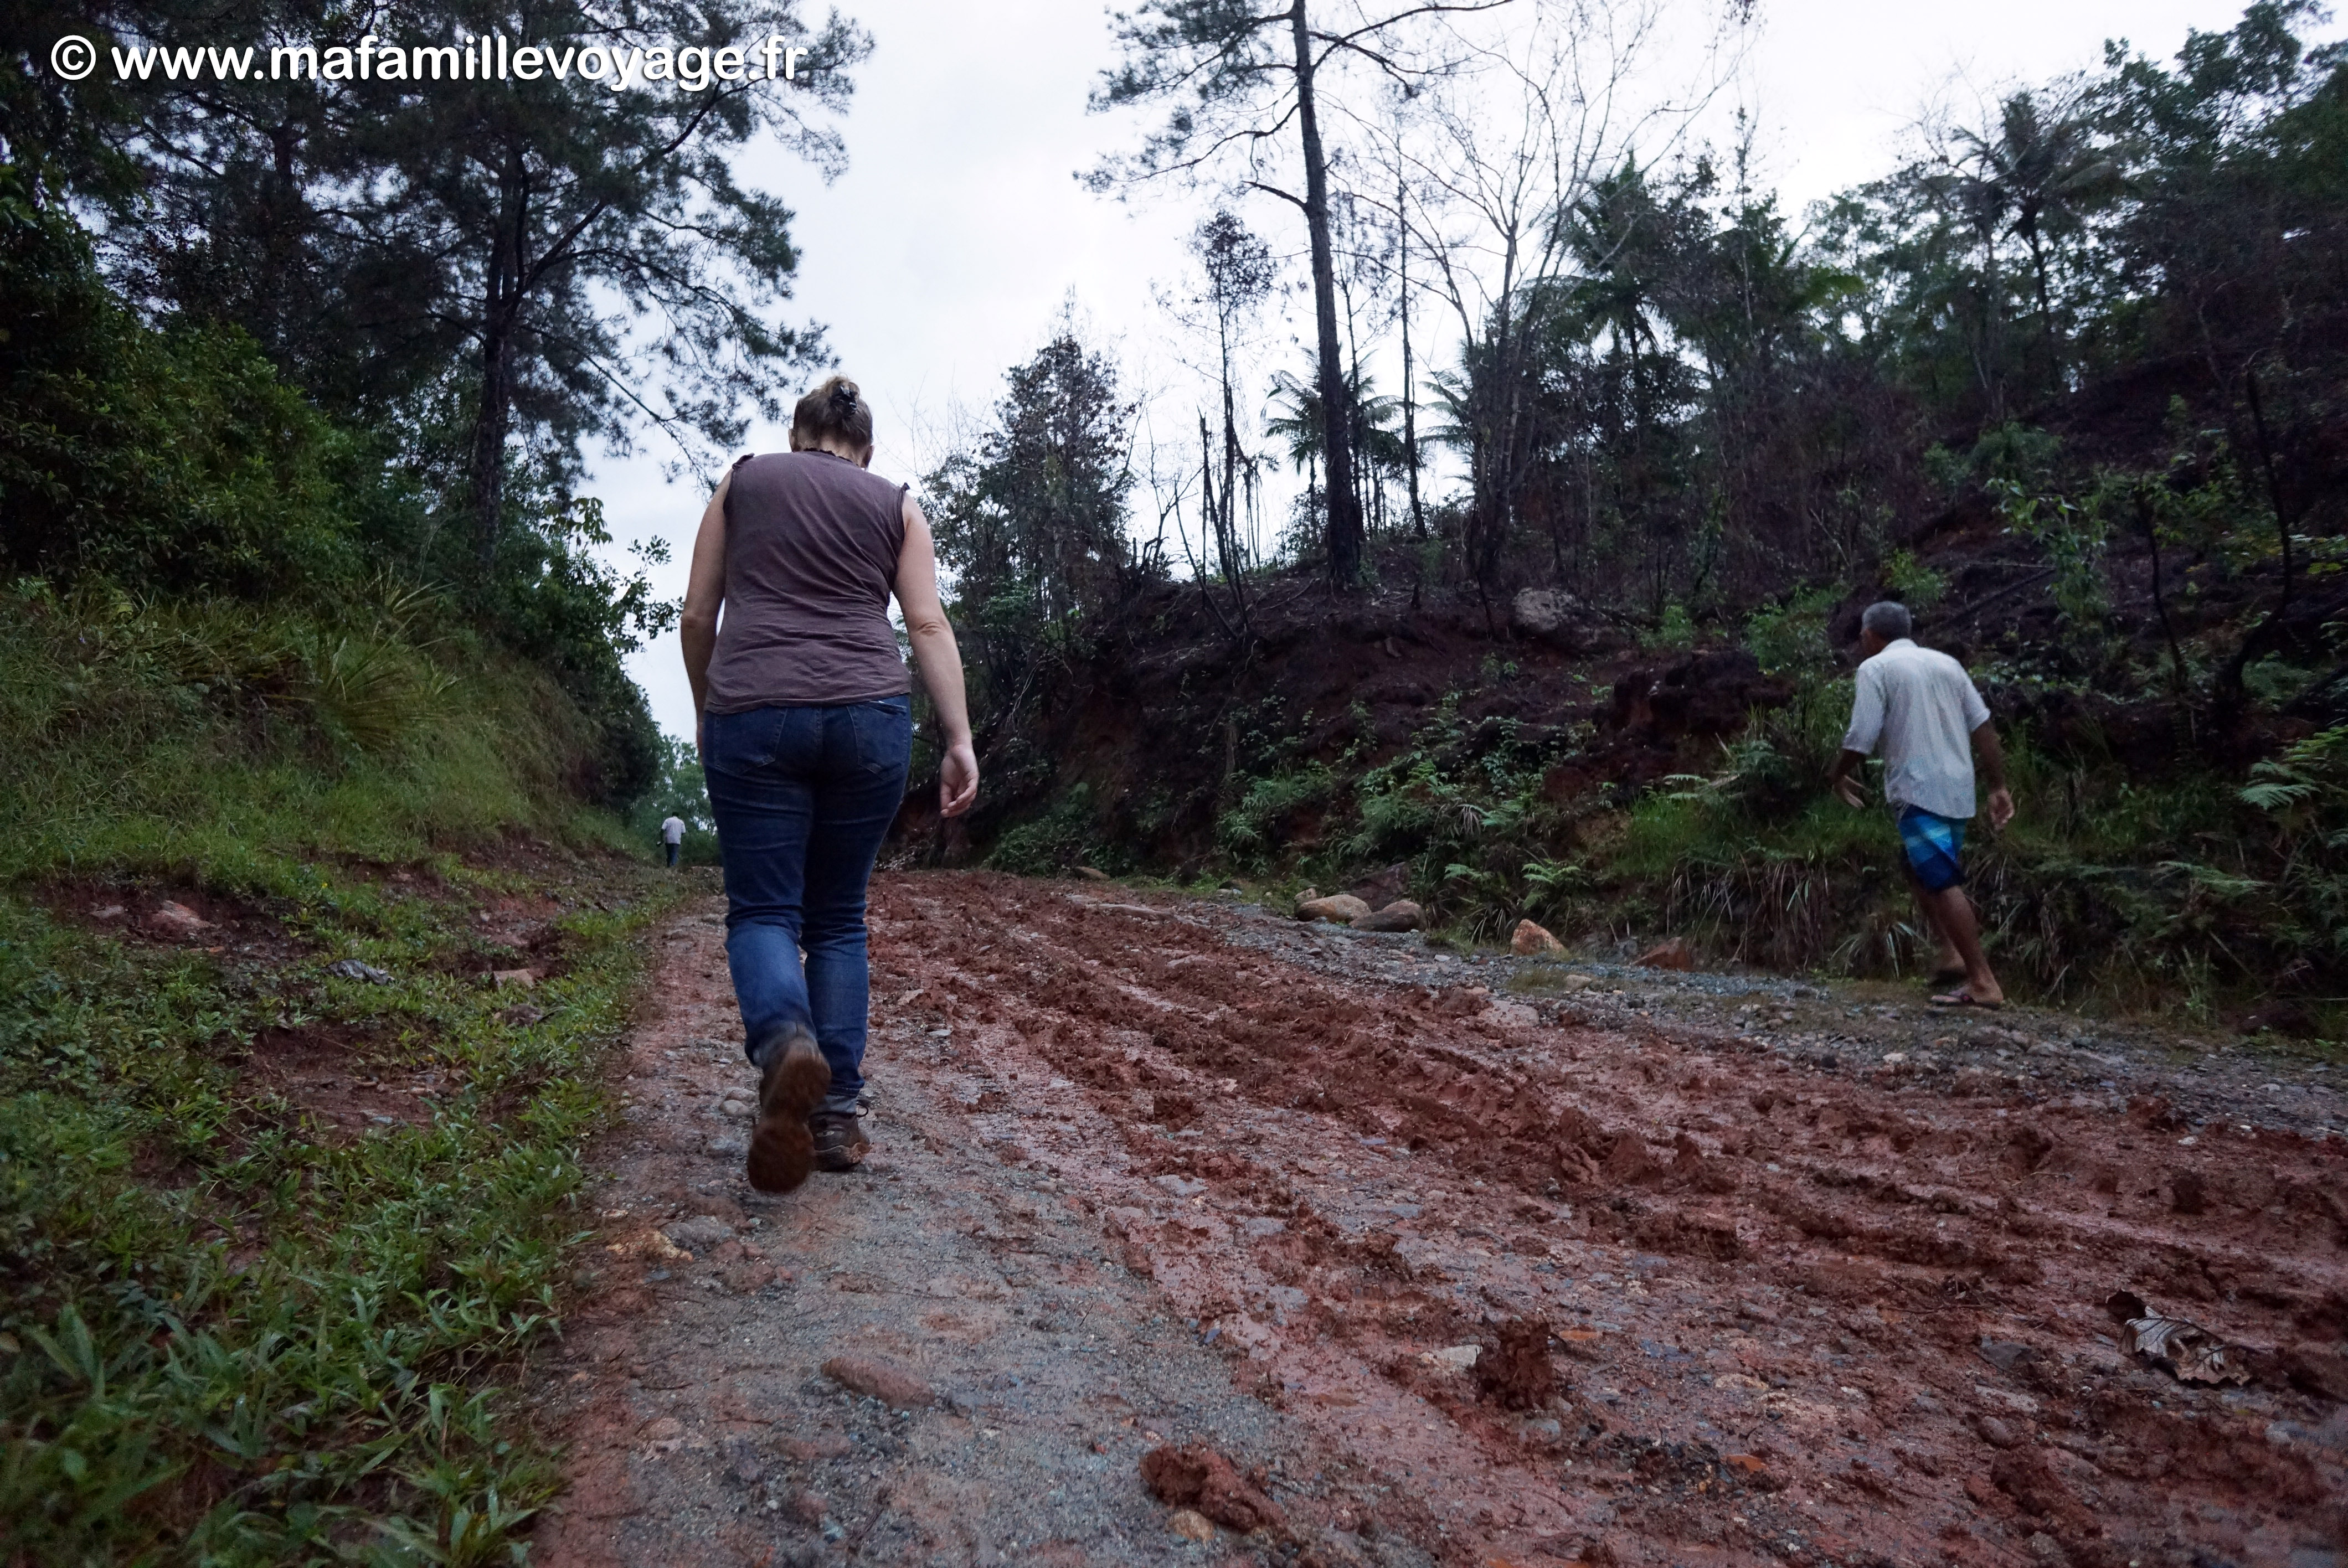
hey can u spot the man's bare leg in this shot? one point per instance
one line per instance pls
(1948, 962)
(1954, 915)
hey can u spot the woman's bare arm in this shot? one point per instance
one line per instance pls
(938, 659)
(705, 592)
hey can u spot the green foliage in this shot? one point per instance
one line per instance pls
(237, 1331)
(1789, 637)
(1254, 830)
(286, 1345)
(1030, 526)
(163, 460)
(2073, 539)
(179, 737)
(681, 791)
(1911, 582)
(175, 462)
(1067, 835)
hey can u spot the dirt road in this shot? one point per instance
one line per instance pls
(1468, 1259)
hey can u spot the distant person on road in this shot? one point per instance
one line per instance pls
(1921, 707)
(672, 836)
(805, 727)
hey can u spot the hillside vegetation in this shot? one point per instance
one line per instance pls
(288, 1179)
(2072, 382)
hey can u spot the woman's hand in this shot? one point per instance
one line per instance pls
(957, 779)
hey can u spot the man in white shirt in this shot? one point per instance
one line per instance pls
(1920, 706)
(673, 834)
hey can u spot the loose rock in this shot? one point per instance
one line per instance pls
(1338, 908)
(1402, 914)
(1529, 938)
(895, 1387)
(177, 920)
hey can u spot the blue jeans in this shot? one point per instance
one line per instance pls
(803, 798)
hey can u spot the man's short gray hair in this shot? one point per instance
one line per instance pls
(1890, 619)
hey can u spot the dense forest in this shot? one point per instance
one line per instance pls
(2068, 381)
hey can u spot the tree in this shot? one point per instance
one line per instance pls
(1240, 272)
(1030, 526)
(1239, 79)
(1497, 172)
(582, 245)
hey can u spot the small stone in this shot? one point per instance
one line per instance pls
(177, 920)
(1992, 1431)
(2187, 1194)
(1191, 1525)
(895, 1387)
(808, 1507)
(1402, 914)
(110, 912)
(744, 1463)
(1091, 874)
(661, 1429)
(1746, 1464)
(358, 969)
(700, 1234)
(524, 978)
(1338, 908)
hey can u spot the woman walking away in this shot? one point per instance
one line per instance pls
(806, 729)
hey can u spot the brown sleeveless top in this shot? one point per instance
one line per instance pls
(811, 546)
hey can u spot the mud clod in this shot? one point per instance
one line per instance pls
(1199, 1477)
(1514, 1369)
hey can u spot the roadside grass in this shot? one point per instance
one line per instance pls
(240, 1322)
(2186, 894)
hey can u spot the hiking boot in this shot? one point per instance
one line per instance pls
(839, 1141)
(782, 1150)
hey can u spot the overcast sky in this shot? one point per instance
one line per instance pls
(942, 255)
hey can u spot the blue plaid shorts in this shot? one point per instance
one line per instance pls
(1933, 845)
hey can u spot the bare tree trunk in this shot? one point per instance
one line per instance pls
(1409, 398)
(1345, 508)
(501, 312)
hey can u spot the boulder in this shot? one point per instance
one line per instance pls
(1672, 953)
(1544, 613)
(1529, 938)
(1092, 873)
(1402, 914)
(1338, 908)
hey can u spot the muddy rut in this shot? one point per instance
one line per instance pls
(1459, 1267)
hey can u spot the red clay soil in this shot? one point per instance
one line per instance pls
(1623, 1290)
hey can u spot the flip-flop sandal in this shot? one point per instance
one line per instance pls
(1962, 998)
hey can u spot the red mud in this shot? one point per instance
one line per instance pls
(1815, 1316)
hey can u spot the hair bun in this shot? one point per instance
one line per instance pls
(843, 396)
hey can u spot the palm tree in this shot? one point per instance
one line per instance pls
(2045, 171)
(1378, 445)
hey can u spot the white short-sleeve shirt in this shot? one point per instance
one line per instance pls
(673, 831)
(1924, 709)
